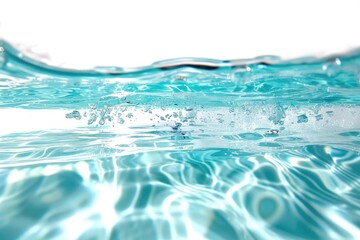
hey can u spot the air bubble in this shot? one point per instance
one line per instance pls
(92, 118)
(93, 106)
(240, 72)
(319, 117)
(74, 114)
(278, 115)
(302, 118)
(177, 126)
(272, 132)
(120, 120)
(181, 77)
(220, 120)
(332, 67)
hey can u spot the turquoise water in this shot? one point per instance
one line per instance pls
(183, 149)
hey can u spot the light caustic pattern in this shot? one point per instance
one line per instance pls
(183, 149)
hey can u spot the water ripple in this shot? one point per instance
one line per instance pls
(182, 149)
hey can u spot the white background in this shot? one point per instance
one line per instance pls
(82, 34)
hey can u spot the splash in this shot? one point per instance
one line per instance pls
(187, 149)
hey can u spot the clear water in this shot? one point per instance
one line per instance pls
(182, 149)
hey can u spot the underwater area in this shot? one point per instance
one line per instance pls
(258, 148)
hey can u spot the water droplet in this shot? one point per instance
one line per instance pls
(302, 118)
(121, 120)
(319, 117)
(92, 118)
(129, 115)
(74, 114)
(220, 120)
(183, 134)
(278, 115)
(175, 115)
(109, 118)
(181, 77)
(272, 132)
(332, 66)
(240, 72)
(93, 106)
(177, 126)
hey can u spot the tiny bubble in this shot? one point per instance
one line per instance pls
(121, 120)
(92, 118)
(147, 108)
(181, 77)
(272, 132)
(319, 117)
(176, 127)
(92, 106)
(302, 118)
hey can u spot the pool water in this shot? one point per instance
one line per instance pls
(182, 149)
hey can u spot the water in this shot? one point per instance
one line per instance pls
(182, 149)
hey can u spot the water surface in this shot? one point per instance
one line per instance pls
(181, 149)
